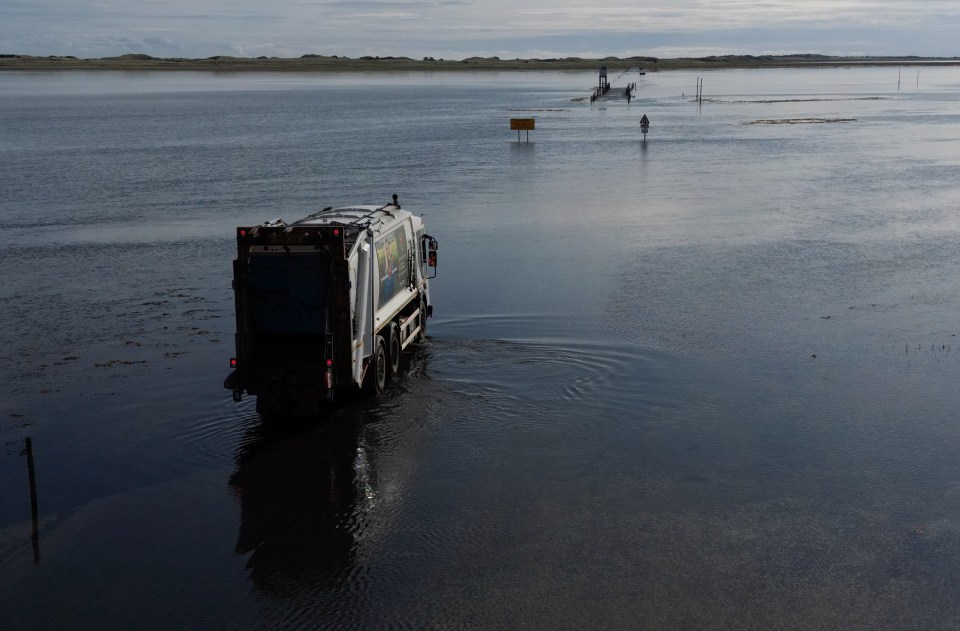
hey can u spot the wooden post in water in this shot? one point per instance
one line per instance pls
(31, 475)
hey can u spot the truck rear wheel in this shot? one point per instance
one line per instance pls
(376, 379)
(393, 357)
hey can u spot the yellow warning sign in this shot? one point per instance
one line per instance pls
(522, 124)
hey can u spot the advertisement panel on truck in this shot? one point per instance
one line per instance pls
(393, 261)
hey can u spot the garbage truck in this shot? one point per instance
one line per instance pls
(326, 305)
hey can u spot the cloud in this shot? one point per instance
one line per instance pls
(461, 28)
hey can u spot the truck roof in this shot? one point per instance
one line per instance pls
(377, 218)
(353, 221)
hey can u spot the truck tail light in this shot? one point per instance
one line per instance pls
(233, 362)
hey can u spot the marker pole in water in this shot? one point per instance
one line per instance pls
(31, 475)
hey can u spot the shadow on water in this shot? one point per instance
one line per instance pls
(307, 487)
(644, 158)
(299, 489)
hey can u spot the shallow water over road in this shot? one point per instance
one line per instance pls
(706, 381)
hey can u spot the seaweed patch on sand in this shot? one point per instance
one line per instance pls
(810, 100)
(797, 121)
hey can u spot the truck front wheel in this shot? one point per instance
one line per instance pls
(376, 379)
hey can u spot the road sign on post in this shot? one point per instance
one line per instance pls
(644, 126)
(522, 124)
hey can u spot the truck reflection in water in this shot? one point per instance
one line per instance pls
(301, 494)
(307, 490)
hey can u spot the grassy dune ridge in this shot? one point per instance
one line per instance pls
(334, 63)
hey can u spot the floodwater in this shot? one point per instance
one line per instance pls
(704, 381)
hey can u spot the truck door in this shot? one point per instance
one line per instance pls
(288, 299)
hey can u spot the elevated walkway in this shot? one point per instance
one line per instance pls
(621, 88)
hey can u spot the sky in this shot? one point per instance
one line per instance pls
(456, 29)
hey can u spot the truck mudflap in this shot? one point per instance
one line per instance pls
(234, 383)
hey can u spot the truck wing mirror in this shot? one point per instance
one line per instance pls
(431, 248)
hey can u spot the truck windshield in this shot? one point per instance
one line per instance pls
(288, 293)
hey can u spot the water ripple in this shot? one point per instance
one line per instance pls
(521, 372)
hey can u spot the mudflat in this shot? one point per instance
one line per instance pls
(334, 63)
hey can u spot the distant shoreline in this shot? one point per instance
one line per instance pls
(322, 63)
